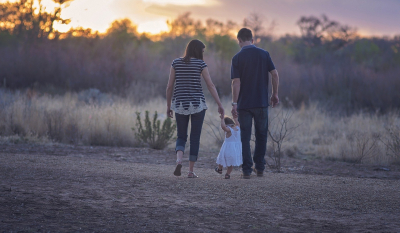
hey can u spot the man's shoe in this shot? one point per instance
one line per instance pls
(259, 173)
(245, 176)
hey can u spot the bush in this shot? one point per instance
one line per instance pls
(95, 97)
(151, 134)
(392, 143)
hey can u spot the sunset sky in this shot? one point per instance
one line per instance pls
(370, 17)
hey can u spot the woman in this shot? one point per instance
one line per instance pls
(188, 101)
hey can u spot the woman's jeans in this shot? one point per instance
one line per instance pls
(182, 123)
(260, 116)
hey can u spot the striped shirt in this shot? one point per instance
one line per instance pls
(188, 94)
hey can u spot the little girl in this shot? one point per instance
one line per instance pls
(231, 151)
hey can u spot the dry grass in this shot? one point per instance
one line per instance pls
(99, 119)
(352, 139)
(70, 119)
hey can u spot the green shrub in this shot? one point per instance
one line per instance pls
(151, 134)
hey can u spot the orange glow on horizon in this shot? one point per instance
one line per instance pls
(153, 27)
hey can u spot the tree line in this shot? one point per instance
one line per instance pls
(328, 63)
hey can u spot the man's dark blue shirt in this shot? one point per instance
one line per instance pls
(252, 65)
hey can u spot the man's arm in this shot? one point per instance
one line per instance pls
(235, 95)
(275, 85)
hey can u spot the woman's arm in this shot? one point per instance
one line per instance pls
(170, 88)
(213, 90)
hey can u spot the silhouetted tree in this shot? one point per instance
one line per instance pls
(185, 26)
(25, 21)
(314, 30)
(255, 22)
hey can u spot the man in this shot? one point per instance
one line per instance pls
(249, 74)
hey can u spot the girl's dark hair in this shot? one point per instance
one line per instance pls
(194, 49)
(228, 121)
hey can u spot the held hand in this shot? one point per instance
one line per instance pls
(274, 100)
(221, 111)
(170, 113)
(234, 111)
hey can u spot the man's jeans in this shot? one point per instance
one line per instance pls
(260, 116)
(182, 122)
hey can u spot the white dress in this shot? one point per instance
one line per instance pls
(231, 151)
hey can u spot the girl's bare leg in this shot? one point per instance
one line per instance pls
(220, 167)
(229, 170)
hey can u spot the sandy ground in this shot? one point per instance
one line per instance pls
(102, 189)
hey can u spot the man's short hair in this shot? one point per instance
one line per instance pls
(245, 34)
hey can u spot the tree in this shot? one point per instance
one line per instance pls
(255, 22)
(122, 27)
(122, 32)
(214, 27)
(25, 21)
(184, 26)
(315, 30)
(80, 32)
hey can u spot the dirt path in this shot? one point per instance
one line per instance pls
(78, 192)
